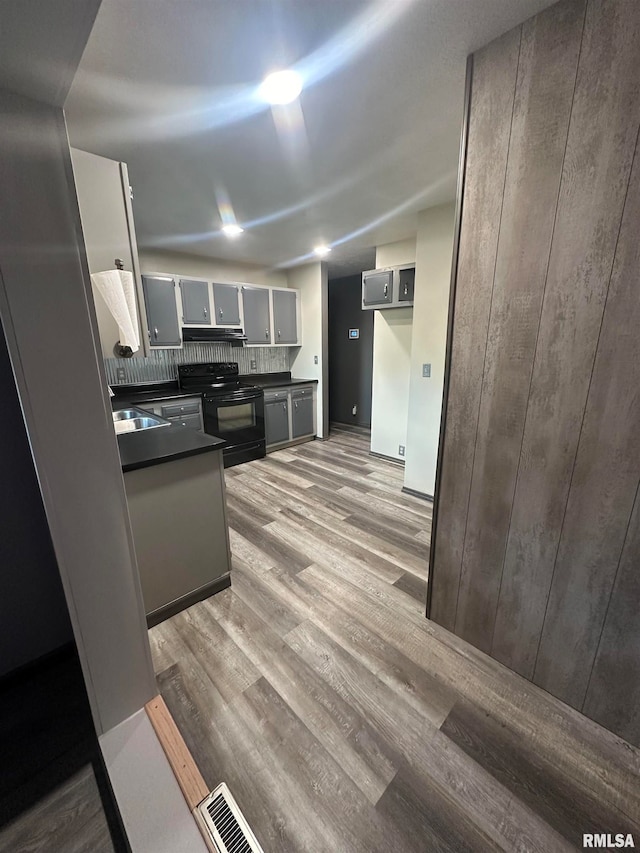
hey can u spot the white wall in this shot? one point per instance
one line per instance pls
(312, 282)
(390, 395)
(181, 263)
(391, 361)
(434, 247)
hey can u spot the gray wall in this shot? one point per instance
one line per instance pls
(47, 315)
(350, 361)
(33, 612)
(535, 558)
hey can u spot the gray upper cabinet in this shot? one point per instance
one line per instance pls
(285, 316)
(195, 302)
(257, 317)
(162, 311)
(407, 281)
(226, 304)
(377, 287)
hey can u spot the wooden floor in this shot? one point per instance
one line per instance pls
(341, 718)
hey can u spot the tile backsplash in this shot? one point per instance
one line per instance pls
(163, 364)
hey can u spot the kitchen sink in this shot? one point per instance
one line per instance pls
(134, 420)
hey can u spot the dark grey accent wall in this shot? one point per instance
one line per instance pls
(540, 461)
(350, 361)
(33, 610)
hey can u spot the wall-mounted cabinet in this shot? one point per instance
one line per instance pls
(161, 310)
(285, 316)
(196, 306)
(391, 287)
(257, 314)
(104, 201)
(226, 301)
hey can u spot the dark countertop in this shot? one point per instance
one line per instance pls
(274, 380)
(163, 444)
(159, 444)
(142, 392)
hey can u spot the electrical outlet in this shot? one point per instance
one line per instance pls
(426, 370)
(354, 410)
(315, 359)
(121, 374)
(401, 449)
(253, 364)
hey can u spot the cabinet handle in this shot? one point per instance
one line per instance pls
(266, 332)
(155, 332)
(296, 404)
(220, 312)
(406, 289)
(204, 311)
(278, 332)
(284, 406)
(386, 290)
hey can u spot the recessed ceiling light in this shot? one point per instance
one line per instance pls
(281, 87)
(321, 251)
(232, 230)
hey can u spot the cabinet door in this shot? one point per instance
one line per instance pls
(407, 285)
(195, 302)
(226, 304)
(302, 414)
(257, 318)
(377, 288)
(162, 311)
(276, 420)
(285, 316)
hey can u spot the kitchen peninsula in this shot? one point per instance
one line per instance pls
(174, 482)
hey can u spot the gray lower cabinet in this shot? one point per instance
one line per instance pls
(285, 316)
(178, 518)
(226, 304)
(257, 317)
(302, 413)
(183, 410)
(162, 310)
(195, 302)
(276, 417)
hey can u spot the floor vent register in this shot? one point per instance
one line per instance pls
(224, 824)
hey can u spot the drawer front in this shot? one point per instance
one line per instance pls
(192, 421)
(273, 396)
(302, 393)
(191, 407)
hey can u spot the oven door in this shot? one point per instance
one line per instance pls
(237, 417)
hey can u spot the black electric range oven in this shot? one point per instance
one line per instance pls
(232, 410)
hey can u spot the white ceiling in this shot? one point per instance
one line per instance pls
(169, 86)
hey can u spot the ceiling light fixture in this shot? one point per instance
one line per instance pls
(232, 230)
(281, 87)
(321, 251)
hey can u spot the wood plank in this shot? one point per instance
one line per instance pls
(272, 547)
(613, 695)
(544, 90)
(535, 781)
(494, 78)
(189, 778)
(414, 586)
(605, 477)
(602, 137)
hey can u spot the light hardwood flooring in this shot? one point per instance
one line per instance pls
(340, 717)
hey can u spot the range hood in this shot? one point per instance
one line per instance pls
(235, 337)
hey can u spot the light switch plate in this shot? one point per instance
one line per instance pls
(121, 374)
(401, 449)
(253, 364)
(426, 370)
(315, 359)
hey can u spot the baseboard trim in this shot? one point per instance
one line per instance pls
(416, 494)
(387, 458)
(169, 610)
